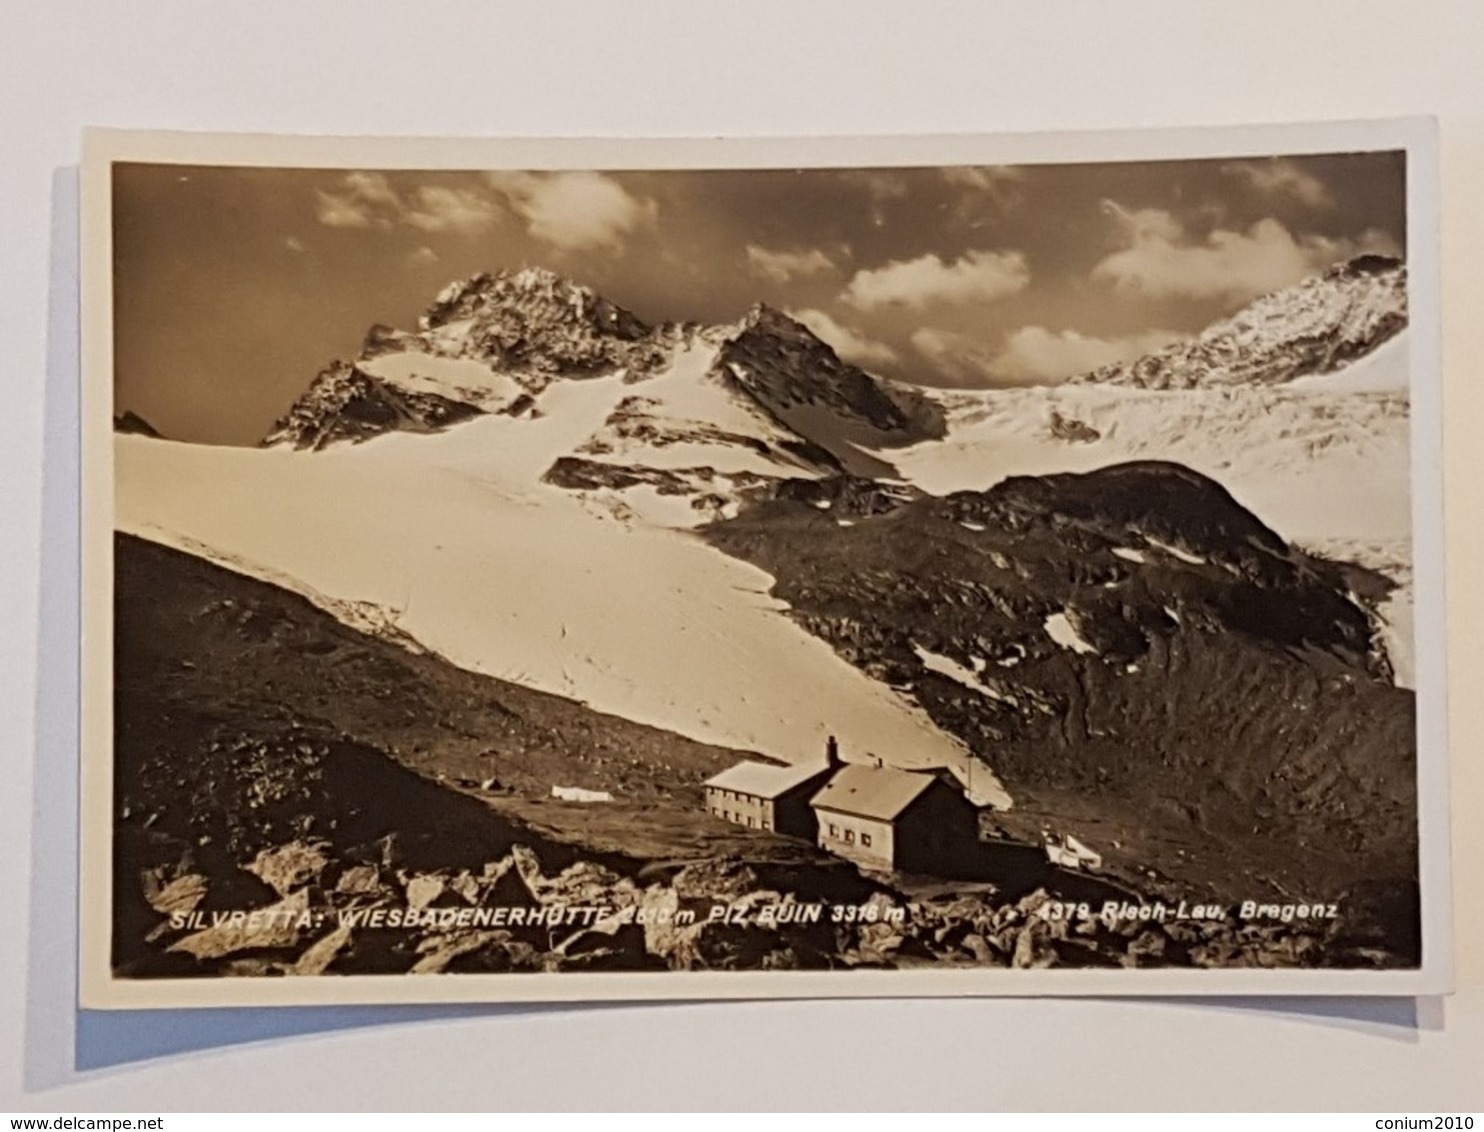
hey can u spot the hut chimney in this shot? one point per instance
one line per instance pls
(832, 753)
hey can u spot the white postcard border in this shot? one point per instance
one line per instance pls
(1417, 136)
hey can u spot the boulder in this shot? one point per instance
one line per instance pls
(720, 879)
(583, 883)
(1032, 948)
(466, 886)
(1147, 948)
(180, 894)
(424, 889)
(359, 880)
(322, 952)
(612, 937)
(438, 951)
(502, 883)
(979, 948)
(528, 867)
(276, 926)
(287, 867)
(662, 938)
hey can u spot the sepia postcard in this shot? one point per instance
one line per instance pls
(564, 570)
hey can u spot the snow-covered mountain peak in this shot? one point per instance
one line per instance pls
(768, 318)
(1316, 326)
(796, 376)
(539, 295)
(489, 343)
(703, 416)
(536, 323)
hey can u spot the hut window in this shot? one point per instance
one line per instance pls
(850, 836)
(866, 840)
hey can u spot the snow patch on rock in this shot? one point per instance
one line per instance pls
(1175, 551)
(459, 379)
(1059, 628)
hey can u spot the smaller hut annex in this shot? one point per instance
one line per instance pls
(763, 796)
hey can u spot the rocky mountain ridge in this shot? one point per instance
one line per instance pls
(1314, 327)
(700, 419)
(531, 327)
(513, 332)
(345, 403)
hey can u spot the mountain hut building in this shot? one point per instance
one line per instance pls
(887, 819)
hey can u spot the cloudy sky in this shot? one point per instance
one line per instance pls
(233, 287)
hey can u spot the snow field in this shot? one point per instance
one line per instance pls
(504, 575)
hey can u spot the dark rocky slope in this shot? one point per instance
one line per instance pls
(270, 759)
(265, 750)
(1214, 715)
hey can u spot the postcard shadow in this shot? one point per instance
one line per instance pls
(63, 1042)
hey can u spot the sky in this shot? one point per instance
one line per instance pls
(233, 286)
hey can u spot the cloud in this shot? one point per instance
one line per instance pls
(881, 187)
(1032, 355)
(983, 177)
(960, 358)
(1000, 184)
(340, 212)
(437, 208)
(850, 344)
(294, 244)
(879, 184)
(372, 188)
(422, 255)
(1160, 259)
(1281, 177)
(367, 200)
(781, 266)
(1036, 354)
(574, 211)
(364, 200)
(976, 276)
(1135, 226)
